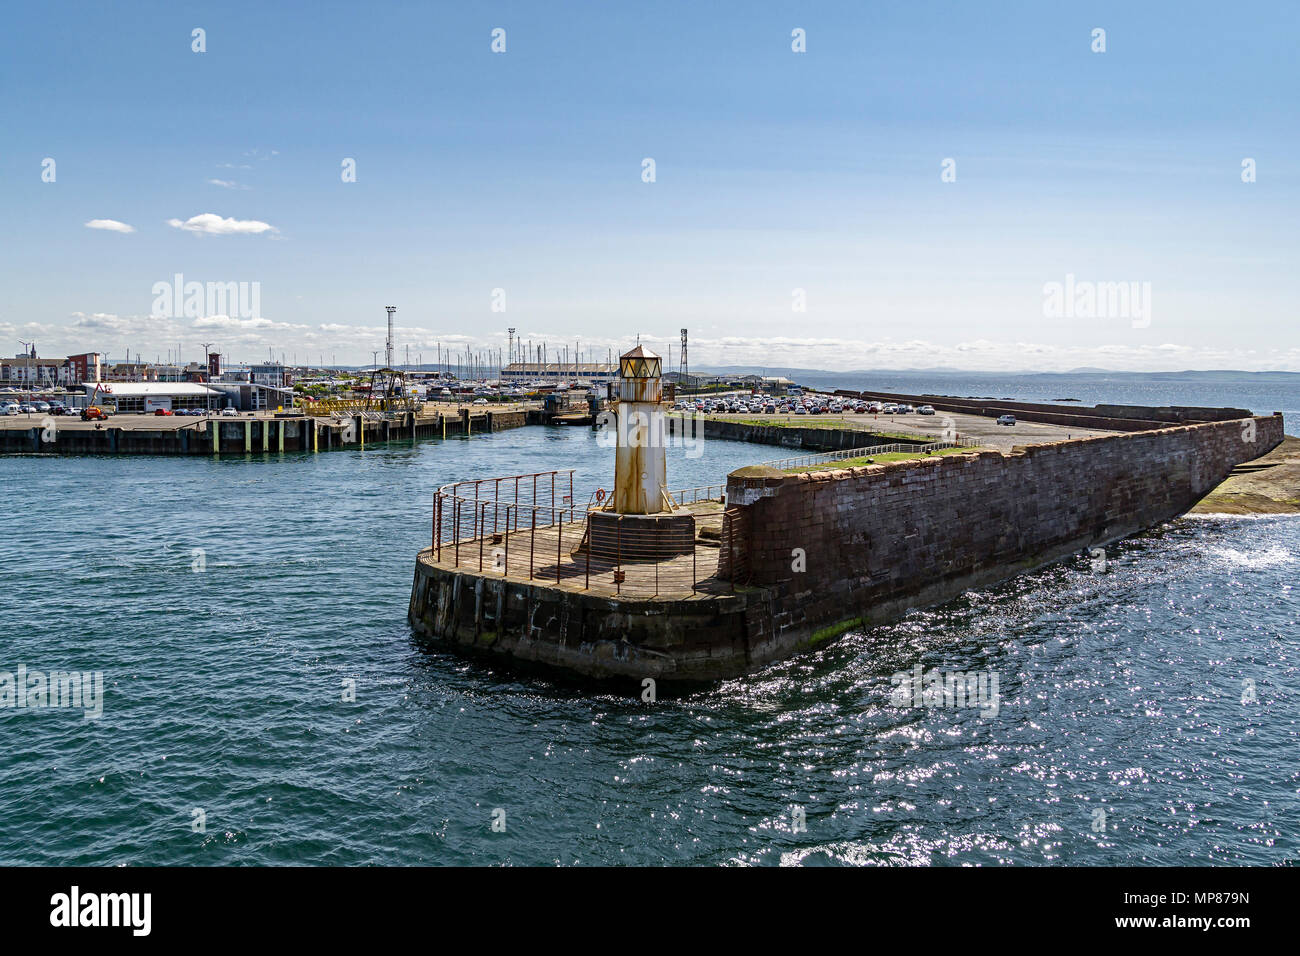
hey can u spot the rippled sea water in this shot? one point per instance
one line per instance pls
(1120, 689)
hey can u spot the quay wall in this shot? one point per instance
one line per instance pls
(814, 555)
(692, 638)
(245, 435)
(1120, 418)
(881, 540)
(815, 439)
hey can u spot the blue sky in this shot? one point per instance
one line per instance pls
(775, 171)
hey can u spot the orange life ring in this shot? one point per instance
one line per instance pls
(600, 494)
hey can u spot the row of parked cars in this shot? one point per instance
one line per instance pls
(94, 412)
(800, 405)
(227, 412)
(36, 408)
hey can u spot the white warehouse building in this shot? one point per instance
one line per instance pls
(146, 397)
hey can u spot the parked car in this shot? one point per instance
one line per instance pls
(57, 408)
(41, 406)
(163, 411)
(925, 410)
(9, 409)
(1007, 420)
(229, 412)
(479, 401)
(800, 410)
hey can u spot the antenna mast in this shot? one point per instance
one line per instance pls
(388, 346)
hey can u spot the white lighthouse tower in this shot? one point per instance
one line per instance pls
(640, 463)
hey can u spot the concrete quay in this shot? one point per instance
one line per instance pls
(264, 432)
(804, 558)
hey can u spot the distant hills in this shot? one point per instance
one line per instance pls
(1226, 376)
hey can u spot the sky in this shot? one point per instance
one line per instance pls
(903, 193)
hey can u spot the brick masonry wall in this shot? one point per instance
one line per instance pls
(885, 538)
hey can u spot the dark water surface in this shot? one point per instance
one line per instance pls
(1120, 690)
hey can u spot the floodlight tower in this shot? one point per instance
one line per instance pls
(683, 366)
(388, 346)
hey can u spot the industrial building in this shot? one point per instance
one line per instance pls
(146, 397)
(585, 373)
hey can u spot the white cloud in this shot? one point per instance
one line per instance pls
(233, 323)
(210, 224)
(111, 225)
(226, 184)
(247, 338)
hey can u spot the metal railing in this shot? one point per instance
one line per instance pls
(689, 496)
(531, 527)
(474, 513)
(803, 461)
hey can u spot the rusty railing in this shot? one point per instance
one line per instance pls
(530, 527)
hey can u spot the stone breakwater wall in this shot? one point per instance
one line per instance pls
(881, 540)
(793, 436)
(1119, 418)
(693, 638)
(817, 554)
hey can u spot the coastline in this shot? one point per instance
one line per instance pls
(1269, 485)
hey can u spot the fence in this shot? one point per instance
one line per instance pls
(803, 461)
(531, 526)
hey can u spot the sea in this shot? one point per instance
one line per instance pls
(265, 702)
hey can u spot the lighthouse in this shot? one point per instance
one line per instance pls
(640, 463)
(641, 521)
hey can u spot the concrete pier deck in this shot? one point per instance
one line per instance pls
(547, 556)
